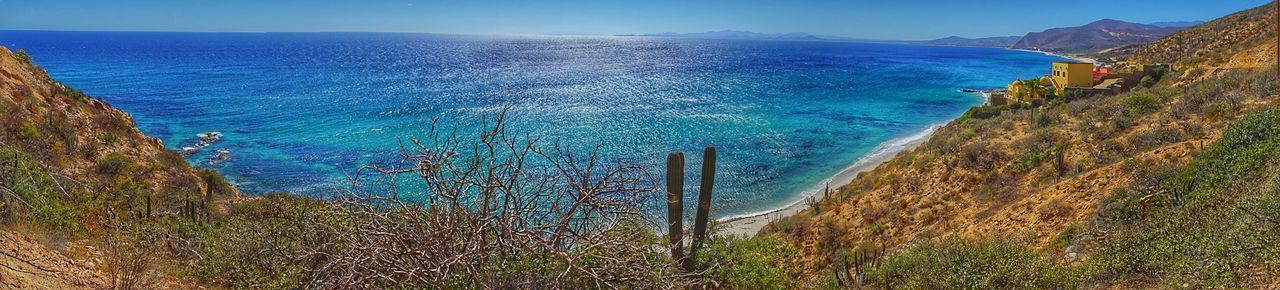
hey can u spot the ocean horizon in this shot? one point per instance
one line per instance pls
(300, 111)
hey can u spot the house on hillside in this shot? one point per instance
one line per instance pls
(1068, 75)
(1026, 91)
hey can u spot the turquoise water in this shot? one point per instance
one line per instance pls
(301, 111)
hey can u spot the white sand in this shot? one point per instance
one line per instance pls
(749, 225)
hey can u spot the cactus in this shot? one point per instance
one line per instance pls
(1060, 162)
(675, 205)
(704, 204)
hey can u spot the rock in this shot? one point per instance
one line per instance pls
(209, 137)
(222, 154)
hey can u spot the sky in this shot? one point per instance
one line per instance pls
(869, 19)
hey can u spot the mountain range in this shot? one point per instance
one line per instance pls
(739, 34)
(1093, 37)
(1107, 35)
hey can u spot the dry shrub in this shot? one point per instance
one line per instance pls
(979, 156)
(1054, 209)
(131, 253)
(500, 212)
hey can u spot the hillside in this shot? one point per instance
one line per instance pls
(73, 170)
(1242, 39)
(998, 42)
(1133, 190)
(1093, 37)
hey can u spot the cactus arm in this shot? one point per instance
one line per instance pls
(675, 205)
(704, 202)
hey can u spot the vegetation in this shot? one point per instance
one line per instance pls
(953, 263)
(759, 263)
(1208, 224)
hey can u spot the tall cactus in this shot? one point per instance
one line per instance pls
(675, 205)
(704, 204)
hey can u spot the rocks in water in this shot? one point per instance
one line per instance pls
(206, 139)
(222, 155)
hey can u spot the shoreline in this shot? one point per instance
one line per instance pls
(747, 225)
(1075, 58)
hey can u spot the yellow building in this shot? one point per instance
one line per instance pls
(1024, 91)
(1071, 75)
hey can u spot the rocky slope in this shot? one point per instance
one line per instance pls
(72, 169)
(1242, 39)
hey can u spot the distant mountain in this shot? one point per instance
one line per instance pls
(738, 34)
(1182, 24)
(1002, 42)
(1094, 37)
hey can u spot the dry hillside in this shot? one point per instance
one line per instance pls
(1237, 40)
(1052, 176)
(73, 167)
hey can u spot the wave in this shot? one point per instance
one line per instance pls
(883, 152)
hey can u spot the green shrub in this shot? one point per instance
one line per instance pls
(114, 164)
(28, 131)
(954, 263)
(1138, 104)
(759, 263)
(38, 193)
(982, 112)
(23, 56)
(1207, 223)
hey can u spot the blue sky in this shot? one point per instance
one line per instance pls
(879, 19)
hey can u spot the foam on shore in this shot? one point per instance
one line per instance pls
(883, 152)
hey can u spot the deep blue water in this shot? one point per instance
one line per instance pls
(302, 110)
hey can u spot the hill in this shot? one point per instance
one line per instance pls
(73, 169)
(1093, 37)
(747, 35)
(1176, 23)
(999, 42)
(1237, 40)
(1157, 187)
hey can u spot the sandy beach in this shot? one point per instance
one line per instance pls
(749, 225)
(1075, 58)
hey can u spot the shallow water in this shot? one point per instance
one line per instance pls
(302, 110)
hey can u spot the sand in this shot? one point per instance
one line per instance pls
(750, 225)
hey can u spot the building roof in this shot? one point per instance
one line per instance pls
(1073, 62)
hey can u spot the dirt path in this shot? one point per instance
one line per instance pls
(28, 264)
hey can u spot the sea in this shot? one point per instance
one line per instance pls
(300, 112)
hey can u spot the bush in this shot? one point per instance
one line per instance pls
(758, 263)
(1207, 223)
(954, 263)
(36, 193)
(1138, 104)
(114, 164)
(23, 56)
(982, 112)
(217, 184)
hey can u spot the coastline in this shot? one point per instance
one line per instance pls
(749, 224)
(1076, 58)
